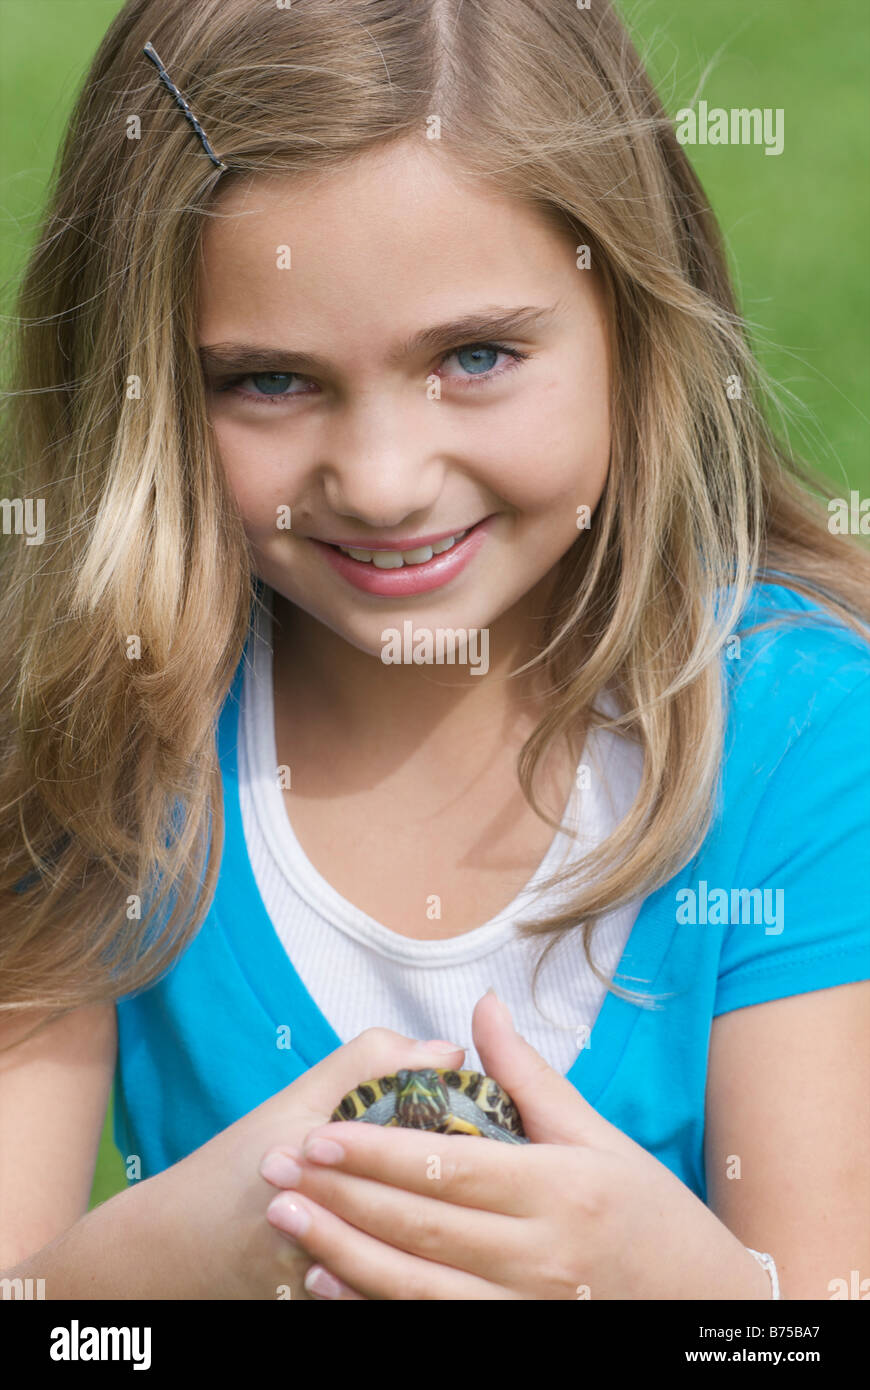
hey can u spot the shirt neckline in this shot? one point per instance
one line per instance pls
(277, 830)
(274, 981)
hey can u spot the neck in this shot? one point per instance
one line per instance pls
(319, 674)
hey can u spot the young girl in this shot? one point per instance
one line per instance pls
(421, 587)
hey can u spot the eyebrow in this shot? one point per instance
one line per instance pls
(494, 322)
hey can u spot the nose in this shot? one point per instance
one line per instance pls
(381, 463)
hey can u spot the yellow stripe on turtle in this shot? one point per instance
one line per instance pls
(439, 1100)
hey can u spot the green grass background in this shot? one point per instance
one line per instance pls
(797, 226)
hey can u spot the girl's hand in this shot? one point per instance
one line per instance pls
(210, 1208)
(581, 1212)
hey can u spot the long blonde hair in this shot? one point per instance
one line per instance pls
(111, 823)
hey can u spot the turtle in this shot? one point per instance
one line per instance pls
(442, 1101)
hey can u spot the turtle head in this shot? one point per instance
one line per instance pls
(427, 1076)
(421, 1098)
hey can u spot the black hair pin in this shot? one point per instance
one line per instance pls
(151, 53)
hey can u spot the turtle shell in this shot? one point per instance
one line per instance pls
(444, 1102)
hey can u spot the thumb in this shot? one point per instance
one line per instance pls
(552, 1109)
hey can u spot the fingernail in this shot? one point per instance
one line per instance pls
(502, 1005)
(440, 1047)
(280, 1169)
(323, 1151)
(321, 1282)
(288, 1216)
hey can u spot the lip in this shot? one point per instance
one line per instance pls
(410, 579)
(409, 543)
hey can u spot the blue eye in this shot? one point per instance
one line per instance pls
(478, 361)
(475, 359)
(273, 383)
(270, 387)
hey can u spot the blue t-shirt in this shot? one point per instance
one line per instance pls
(774, 903)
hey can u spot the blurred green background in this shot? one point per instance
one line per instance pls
(797, 225)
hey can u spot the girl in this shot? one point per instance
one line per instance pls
(422, 586)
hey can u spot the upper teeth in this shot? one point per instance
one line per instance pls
(394, 559)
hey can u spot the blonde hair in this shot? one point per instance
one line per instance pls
(110, 789)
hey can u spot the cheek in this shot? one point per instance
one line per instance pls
(554, 449)
(257, 474)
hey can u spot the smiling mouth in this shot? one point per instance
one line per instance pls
(400, 559)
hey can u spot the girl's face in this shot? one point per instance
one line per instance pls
(396, 355)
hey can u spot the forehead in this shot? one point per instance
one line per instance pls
(398, 231)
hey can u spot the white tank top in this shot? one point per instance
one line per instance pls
(362, 974)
